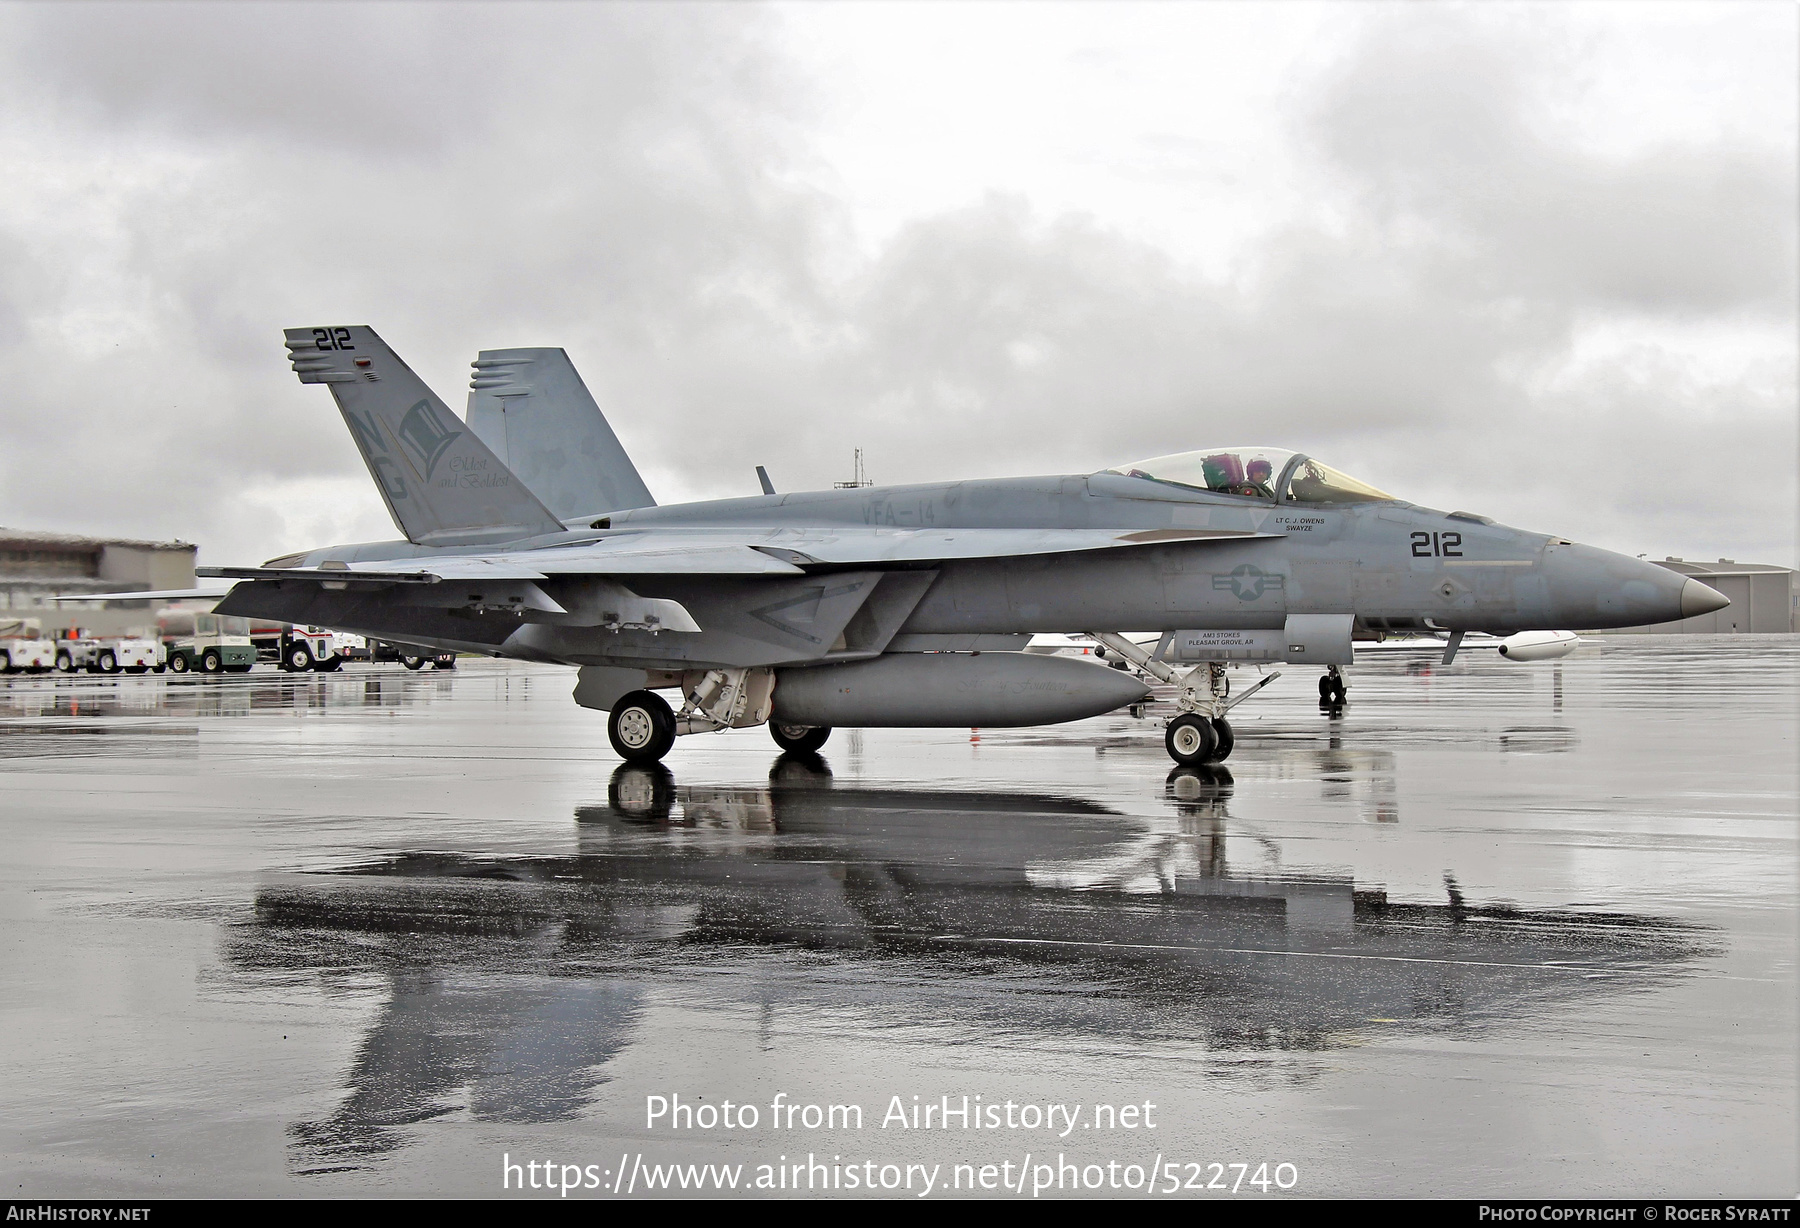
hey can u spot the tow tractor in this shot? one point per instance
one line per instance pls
(23, 647)
(75, 652)
(129, 654)
(212, 643)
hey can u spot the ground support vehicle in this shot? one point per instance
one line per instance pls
(131, 654)
(298, 649)
(413, 656)
(75, 653)
(23, 648)
(218, 644)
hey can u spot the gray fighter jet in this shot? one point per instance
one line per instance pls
(530, 535)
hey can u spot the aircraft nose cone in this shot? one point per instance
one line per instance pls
(1590, 587)
(1698, 599)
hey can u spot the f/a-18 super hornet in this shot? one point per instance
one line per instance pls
(530, 535)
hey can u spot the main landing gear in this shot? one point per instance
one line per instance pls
(1199, 733)
(641, 727)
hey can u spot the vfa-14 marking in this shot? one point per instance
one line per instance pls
(530, 535)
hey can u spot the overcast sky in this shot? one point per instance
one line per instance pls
(1530, 260)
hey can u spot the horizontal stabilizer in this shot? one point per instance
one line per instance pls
(155, 594)
(441, 483)
(321, 574)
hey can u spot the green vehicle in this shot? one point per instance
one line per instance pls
(215, 643)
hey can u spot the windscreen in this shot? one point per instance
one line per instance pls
(1318, 483)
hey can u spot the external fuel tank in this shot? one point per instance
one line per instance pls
(951, 689)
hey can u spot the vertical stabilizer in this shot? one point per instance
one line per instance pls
(439, 480)
(532, 409)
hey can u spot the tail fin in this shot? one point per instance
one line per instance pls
(441, 483)
(531, 408)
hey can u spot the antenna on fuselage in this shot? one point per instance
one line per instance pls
(861, 479)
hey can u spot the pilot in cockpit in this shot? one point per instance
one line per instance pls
(1259, 474)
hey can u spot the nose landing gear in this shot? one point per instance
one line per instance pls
(1199, 733)
(1332, 688)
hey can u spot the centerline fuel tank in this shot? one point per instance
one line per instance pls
(950, 689)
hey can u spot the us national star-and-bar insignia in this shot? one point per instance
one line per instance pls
(1249, 581)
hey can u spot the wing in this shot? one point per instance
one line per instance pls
(856, 544)
(726, 552)
(700, 558)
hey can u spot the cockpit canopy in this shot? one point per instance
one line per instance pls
(1269, 474)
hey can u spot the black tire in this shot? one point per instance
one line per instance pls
(447, 661)
(299, 658)
(1325, 688)
(65, 664)
(1224, 739)
(413, 663)
(179, 663)
(641, 727)
(211, 662)
(1190, 739)
(799, 739)
(107, 663)
(6, 665)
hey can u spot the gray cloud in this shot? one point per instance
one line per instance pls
(624, 181)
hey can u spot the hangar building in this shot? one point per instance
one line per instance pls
(36, 566)
(1763, 599)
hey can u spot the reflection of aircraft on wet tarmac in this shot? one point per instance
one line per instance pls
(529, 534)
(512, 980)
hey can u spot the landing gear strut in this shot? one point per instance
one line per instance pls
(642, 726)
(1199, 733)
